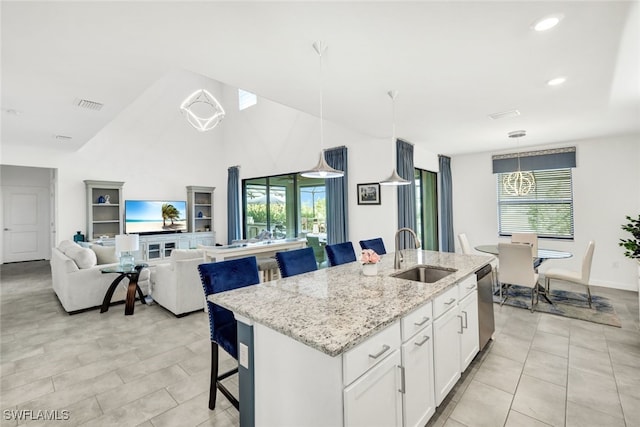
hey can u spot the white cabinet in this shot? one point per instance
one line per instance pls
(446, 352)
(200, 208)
(418, 399)
(374, 399)
(470, 338)
(456, 337)
(159, 247)
(104, 209)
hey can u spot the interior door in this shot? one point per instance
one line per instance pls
(26, 223)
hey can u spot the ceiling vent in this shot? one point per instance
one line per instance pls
(89, 105)
(504, 114)
(62, 137)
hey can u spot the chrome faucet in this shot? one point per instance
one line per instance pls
(397, 262)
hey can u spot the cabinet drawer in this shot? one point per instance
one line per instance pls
(466, 286)
(445, 302)
(368, 353)
(416, 320)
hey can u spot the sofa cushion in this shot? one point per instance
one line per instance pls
(183, 254)
(179, 254)
(105, 254)
(65, 245)
(83, 257)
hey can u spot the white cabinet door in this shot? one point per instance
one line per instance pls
(374, 399)
(446, 349)
(470, 339)
(418, 399)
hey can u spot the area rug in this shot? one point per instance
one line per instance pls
(565, 303)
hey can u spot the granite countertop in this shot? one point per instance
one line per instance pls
(334, 309)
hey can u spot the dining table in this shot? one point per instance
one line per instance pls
(542, 255)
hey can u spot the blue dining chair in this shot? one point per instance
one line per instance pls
(297, 261)
(340, 253)
(377, 245)
(218, 277)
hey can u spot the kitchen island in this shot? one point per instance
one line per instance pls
(314, 346)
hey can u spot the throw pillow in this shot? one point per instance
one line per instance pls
(105, 254)
(83, 257)
(65, 245)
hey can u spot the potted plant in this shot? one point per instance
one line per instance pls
(632, 246)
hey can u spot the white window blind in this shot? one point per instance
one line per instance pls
(547, 211)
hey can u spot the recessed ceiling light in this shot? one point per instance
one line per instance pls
(547, 23)
(557, 81)
(504, 114)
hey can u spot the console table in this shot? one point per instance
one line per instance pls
(262, 249)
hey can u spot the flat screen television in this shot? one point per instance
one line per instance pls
(155, 216)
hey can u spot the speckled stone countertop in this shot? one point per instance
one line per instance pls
(336, 308)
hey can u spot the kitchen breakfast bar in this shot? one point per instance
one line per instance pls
(337, 348)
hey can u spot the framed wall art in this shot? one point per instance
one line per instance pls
(369, 194)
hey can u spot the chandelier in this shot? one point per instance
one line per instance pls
(518, 183)
(202, 110)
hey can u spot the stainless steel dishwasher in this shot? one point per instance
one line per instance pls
(485, 305)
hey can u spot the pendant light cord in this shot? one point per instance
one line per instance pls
(320, 49)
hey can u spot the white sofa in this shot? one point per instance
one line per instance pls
(176, 285)
(78, 281)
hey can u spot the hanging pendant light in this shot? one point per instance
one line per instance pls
(518, 183)
(394, 179)
(322, 169)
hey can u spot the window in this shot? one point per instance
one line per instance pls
(427, 208)
(246, 99)
(547, 211)
(284, 206)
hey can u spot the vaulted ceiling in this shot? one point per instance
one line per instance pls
(453, 64)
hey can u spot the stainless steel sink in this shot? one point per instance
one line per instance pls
(424, 273)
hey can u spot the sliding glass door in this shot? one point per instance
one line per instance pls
(427, 208)
(283, 206)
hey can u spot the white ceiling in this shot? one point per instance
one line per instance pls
(453, 63)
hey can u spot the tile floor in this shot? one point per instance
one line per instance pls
(152, 369)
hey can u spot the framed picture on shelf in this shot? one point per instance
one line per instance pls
(369, 194)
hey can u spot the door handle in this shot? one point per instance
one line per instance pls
(466, 324)
(380, 353)
(451, 301)
(425, 339)
(403, 386)
(461, 327)
(424, 320)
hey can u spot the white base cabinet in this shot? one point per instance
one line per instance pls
(419, 393)
(470, 338)
(456, 334)
(396, 377)
(374, 399)
(446, 352)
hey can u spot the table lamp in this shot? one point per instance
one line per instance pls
(125, 244)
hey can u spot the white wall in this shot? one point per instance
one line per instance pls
(606, 188)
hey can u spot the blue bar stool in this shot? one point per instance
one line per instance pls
(218, 277)
(377, 245)
(297, 261)
(340, 253)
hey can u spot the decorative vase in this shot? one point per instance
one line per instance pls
(370, 269)
(79, 237)
(101, 199)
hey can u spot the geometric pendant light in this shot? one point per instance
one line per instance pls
(518, 183)
(322, 169)
(394, 179)
(202, 110)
